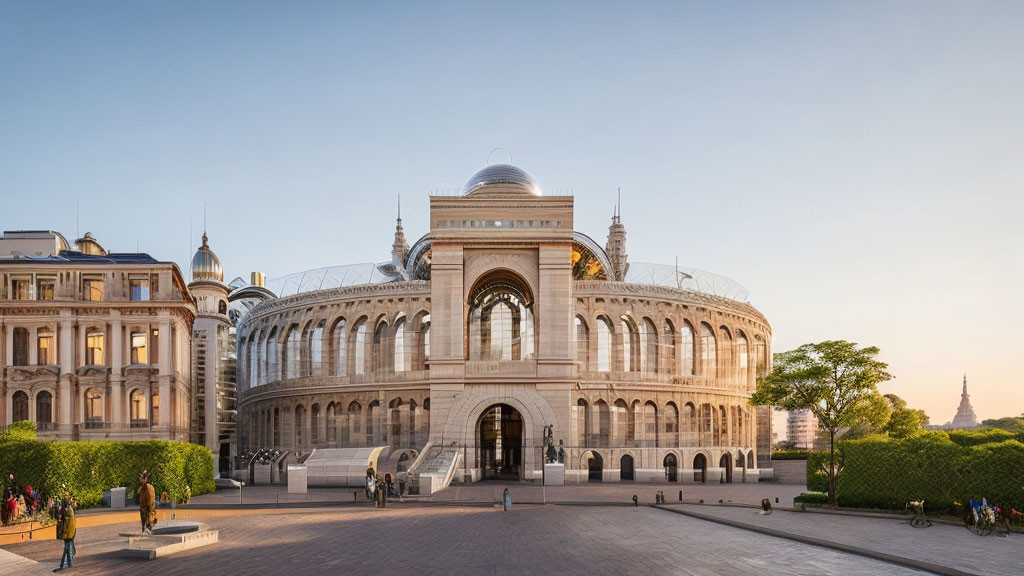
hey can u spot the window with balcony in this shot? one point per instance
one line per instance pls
(93, 409)
(137, 407)
(139, 289)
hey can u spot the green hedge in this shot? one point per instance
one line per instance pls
(88, 468)
(790, 454)
(939, 467)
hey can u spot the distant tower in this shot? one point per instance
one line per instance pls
(965, 417)
(213, 359)
(616, 246)
(400, 248)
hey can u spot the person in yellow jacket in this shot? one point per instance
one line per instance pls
(147, 503)
(66, 531)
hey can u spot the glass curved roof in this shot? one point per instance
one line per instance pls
(686, 279)
(502, 174)
(330, 277)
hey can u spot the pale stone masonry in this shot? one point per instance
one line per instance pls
(95, 344)
(499, 322)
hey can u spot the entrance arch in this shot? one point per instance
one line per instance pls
(500, 444)
(725, 462)
(671, 468)
(595, 466)
(700, 468)
(626, 467)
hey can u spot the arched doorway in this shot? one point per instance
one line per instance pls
(741, 468)
(671, 468)
(595, 467)
(501, 443)
(725, 462)
(700, 468)
(626, 467)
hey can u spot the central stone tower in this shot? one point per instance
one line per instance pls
(501, 320)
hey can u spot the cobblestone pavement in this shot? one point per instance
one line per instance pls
(463, 540)
(950, 546)
(491, 492)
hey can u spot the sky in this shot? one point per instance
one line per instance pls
(857, 166)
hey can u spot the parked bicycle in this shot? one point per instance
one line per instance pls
(919, 520)
(980, 518)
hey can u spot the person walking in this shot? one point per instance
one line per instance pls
(66, 531)
(147, 503)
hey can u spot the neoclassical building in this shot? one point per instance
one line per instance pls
(97, 345)
(500, 321)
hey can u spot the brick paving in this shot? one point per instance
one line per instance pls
(491, 492)
(950, 546)
(459, 539)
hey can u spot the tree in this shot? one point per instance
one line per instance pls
(903, 421)
(1010, 423)
(835, 380)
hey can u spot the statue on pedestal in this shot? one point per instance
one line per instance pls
(561, 452)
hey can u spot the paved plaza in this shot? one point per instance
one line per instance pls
(567, 539)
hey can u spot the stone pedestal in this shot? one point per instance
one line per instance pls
(114, 498)
(554, 474)
(261, 473)
(752, 476)
(296, 479)
(714, 475)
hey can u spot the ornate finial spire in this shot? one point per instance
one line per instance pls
(206, 240)
(965, 417)
(400, 248)
(965, 384)
(616, 245)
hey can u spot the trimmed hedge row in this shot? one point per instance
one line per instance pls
(88, 468)
(790, 454)
(887, 473)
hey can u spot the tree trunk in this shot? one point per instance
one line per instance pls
(832, 468)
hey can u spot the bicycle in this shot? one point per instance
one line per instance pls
(919, 520)
(980, 518)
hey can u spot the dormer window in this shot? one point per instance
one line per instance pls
(92, 289)
(139, 289)
(21, 289)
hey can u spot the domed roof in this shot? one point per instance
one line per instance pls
(206, 265)
(506, 179)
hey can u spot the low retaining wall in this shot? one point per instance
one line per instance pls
(790, 471)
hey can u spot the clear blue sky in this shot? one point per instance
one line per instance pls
(858, 165)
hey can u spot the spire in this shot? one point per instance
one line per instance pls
(964, 395)
(965, 417)
(615, 248)
(400, 248)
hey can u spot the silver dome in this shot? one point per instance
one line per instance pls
(512, 180)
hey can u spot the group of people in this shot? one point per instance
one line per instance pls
(17, 503)
(379, 490)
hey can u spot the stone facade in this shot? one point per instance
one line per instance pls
(96, 345)
(494, 333)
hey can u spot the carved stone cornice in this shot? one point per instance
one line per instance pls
(28, 373)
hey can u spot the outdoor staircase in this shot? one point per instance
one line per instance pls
(434, 469)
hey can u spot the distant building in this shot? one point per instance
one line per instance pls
(965, 418)
(802, 428)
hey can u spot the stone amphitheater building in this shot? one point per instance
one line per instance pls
(503, 320)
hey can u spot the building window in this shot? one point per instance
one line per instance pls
(380, 345)
(20, 357)
(359, 352)
(137, 407)
(44, 289)
(20, 406)
(630, 345)
(46, 353)
(400, 354)
(139, 355)
(340, 343)
(501, 319)
(93, 409)
(139, 290)
(92, 289)
(154, 284)
(708, 351)
(154, 408)
(21, 289)
(94, 348)
(686, 343)
(316, 349)
(582, 345)
(154, 344)
(44, 408)
(604, 344)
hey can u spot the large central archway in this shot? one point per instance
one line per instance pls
(500, 443)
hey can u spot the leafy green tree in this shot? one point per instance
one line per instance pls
(1010, 423)
(833, 379)
(869, 417)
(903, 421)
